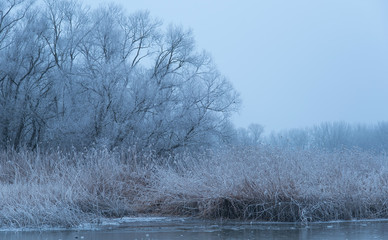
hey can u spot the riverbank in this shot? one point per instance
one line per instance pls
(191, 228)
(66, 189)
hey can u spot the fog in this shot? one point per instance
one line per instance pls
(295, 63)
(108, 113)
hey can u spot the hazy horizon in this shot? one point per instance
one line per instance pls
(106, 113)
(295, 63)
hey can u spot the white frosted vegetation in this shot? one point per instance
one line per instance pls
(38, 190)
(276, 186)
(58, 190)
(71, 76)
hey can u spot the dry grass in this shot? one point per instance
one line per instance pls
(62, 190)
(57, 189)
(271, 185)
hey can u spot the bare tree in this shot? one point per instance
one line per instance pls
(331, 135)
(255, 131)
(81, 77)
(25, 89)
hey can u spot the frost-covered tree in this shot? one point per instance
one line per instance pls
(255, 131)
(250, 136)
(77, 77)
(26, 99)
(331, 135)
(292, 138)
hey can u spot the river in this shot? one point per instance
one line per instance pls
(186, 228)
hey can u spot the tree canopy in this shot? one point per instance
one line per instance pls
(75, 76)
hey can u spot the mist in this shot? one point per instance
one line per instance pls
(295, 63)
(108, 113)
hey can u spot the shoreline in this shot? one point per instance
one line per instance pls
(168, 222)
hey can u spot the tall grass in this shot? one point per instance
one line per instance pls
(58, 189)
(271, 185)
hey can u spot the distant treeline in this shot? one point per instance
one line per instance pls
(328, 136)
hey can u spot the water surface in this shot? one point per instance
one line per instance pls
(181, 228)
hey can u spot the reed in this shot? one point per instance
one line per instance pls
(59, 189)
(274, 185)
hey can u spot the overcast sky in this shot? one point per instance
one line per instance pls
(295, 63)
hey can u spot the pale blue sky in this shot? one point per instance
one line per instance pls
(295, 63)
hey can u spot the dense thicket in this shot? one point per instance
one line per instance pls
(70, 76)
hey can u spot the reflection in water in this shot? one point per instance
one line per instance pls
(168, 228)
